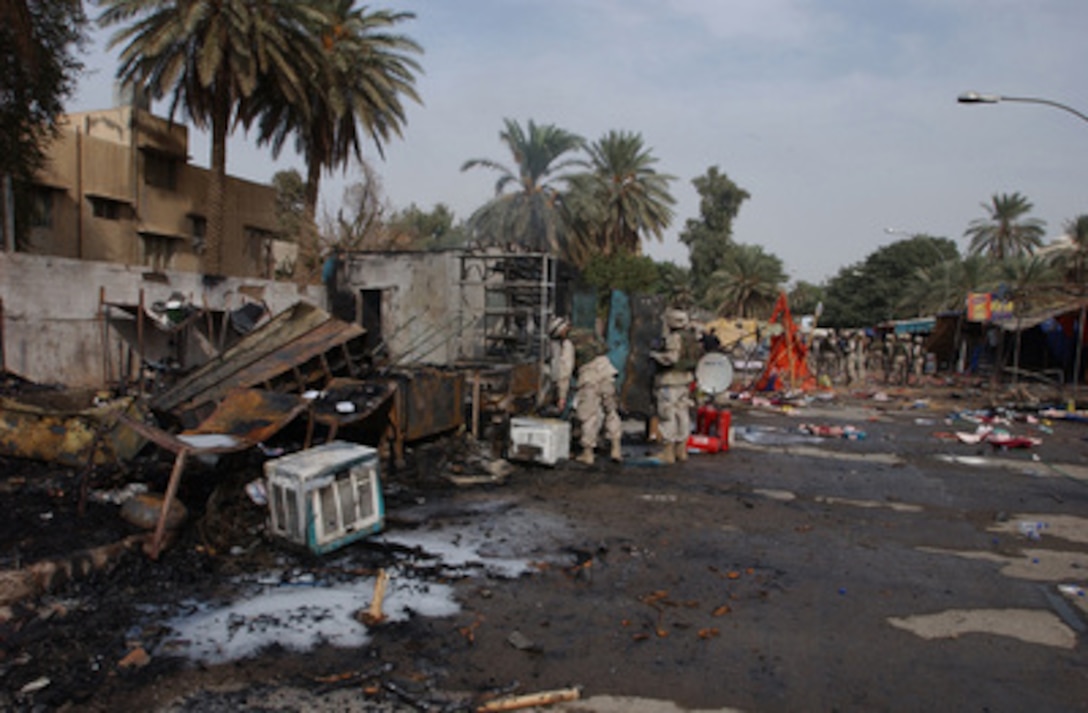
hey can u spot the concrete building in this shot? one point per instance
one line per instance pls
(118, 187)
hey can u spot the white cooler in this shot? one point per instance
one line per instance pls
(540, 440)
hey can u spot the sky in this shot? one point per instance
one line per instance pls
(839, 117)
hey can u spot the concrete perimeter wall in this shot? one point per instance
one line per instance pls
(52, 329)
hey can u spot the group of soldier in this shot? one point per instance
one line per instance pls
(849, 356)
(595, 398)
(846, 357)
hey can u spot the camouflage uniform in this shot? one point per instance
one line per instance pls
(595, 399)
(855, 357)
(672, 386)
(560, 365)
(918, 359)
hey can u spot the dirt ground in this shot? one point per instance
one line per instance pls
(679, 586)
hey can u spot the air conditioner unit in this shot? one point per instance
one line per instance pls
(325, 497)
(542, 440)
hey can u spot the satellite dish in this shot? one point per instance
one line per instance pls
(714, 373)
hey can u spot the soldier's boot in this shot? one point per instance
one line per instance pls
(668, 454)
(617, 452)
(586, 456)
(681, 451)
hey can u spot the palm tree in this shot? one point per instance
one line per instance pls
(211, 56)
(633, 199)
(365, 70)
(747, 284)
(1074, 256)
(531, 213)
(1006, 232)
(1030, 278)
(675, 283)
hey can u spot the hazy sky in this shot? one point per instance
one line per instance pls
(839, 117)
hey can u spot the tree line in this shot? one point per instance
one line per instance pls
(329, 77)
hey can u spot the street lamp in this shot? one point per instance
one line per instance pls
(977, 98)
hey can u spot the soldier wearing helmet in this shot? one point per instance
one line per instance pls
(560, 368)
(596, 404)
(672, 384)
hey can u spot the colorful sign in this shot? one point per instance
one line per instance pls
(986, 307)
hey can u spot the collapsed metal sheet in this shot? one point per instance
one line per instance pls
(303, 345)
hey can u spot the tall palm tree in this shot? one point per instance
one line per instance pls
(633, 199)
(211, 56)
(530, 214)
(365, 71)
(1006, 231)
(747, 284)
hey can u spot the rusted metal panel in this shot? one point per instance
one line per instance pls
(59, 427)
(429, 402)
(524, 379)
(302, 343)
(243, 419)
(348, 401)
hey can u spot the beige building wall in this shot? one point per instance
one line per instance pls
(52, 309)
(118, 187)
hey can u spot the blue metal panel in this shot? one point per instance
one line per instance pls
(619, 332)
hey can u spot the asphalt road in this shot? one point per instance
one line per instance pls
(903, 571)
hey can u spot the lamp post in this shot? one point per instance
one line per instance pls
(978, 98)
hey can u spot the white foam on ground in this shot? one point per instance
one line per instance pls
(299, 618)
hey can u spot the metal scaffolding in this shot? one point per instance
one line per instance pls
(513, 297)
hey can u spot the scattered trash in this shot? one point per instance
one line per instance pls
(850, 433)
(374, 615)
(521, 642)
(36, 685)
(257, 492)
(137, 658)
(700, 443)
(1032, 530)
(996, 437)
(769, 436)
(530, 700)
(118, 495)
(1071, 590)
(1004, 440)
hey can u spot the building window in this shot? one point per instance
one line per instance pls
(160, 170)
(107, 208)
(199, 229)
(200, 225)
(41, 207)
(158, 251)
(259, 249)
